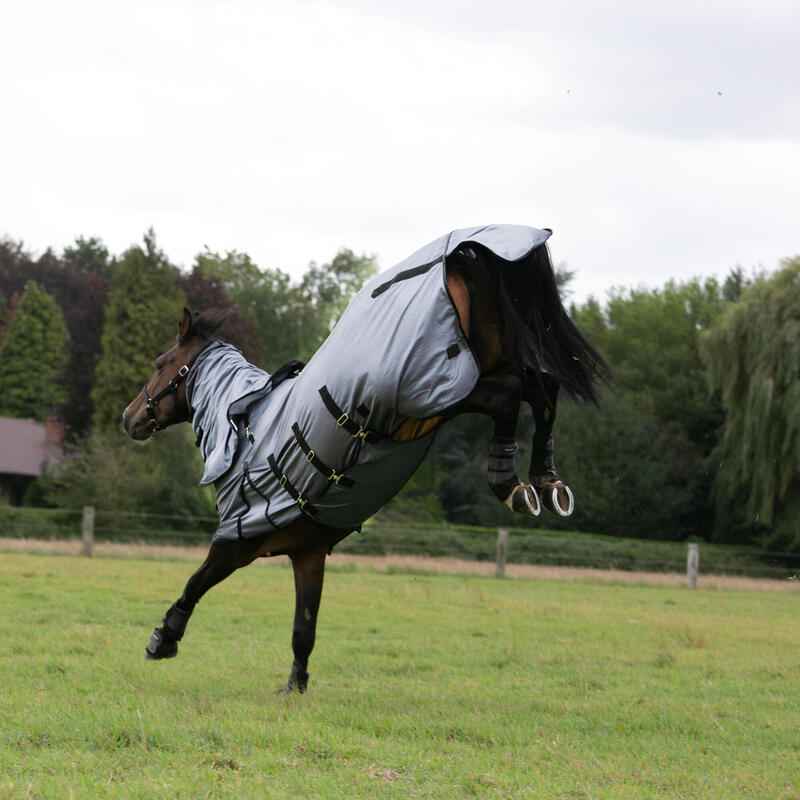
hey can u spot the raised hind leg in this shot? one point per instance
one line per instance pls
(309, 571)
(499, 396)
(555, 495)
(223, 558)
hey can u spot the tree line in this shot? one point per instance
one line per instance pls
(698, 436)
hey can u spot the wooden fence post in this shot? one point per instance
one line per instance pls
(502, 549)
(692, 565)
(87, 530)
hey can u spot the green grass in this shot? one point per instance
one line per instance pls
(421, 686)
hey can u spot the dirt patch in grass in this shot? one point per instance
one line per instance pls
(400, 563)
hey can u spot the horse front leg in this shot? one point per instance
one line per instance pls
(223, 558)
(499, 396)
(309, 571)
(556, 496)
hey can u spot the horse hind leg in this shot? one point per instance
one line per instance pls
(504, 481)
(556, 496)
(499, 397)
(309, 571)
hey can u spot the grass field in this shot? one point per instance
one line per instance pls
(421, 686)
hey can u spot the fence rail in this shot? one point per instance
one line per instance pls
(477, 544)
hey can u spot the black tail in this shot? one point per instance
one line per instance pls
(539, 334)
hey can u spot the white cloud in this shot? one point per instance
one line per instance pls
(290, 129)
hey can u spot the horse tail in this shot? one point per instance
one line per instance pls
(539, 334)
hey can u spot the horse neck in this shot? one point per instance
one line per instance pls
(200, 383)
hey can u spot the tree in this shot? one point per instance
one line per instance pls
(265, 298)
(115, 474)
(143, 305)
(81, 297)
(753, 355)
(9, 311)
(32, 358)
(651, 340)
(89, 256)
(329, 288)
(291, 320)
(204, 293)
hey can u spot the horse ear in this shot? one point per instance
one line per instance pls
(185, 324)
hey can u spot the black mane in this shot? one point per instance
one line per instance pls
(205, 324)
(545, 338)
(536, 330)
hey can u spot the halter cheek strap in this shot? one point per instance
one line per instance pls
(170, 388)
(152, 402)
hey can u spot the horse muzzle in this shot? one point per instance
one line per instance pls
(136, 423)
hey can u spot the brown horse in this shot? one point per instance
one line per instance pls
(526, 348)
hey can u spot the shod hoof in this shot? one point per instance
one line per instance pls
(158, 647)
(524, 500)
(557, 498)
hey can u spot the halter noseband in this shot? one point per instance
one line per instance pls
(170, 388)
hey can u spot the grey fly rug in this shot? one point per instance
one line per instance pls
(321, 443)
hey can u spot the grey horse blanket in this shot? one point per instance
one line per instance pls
(321, 443)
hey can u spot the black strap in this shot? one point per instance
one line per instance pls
(291, 369)
(252, 484)
(288, 486)
(405, 275)
(243, 496)
(313, 458)
(344, 421)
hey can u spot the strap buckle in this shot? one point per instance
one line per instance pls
(334, 477)
(361, 434)
(342, 420)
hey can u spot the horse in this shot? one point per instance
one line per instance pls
(472, 322)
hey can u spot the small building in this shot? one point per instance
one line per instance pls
(25, 446)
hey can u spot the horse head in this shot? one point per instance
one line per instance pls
(162, 401)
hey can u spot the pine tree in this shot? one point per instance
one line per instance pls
(143, 307)
(32, 357)
(754, 358)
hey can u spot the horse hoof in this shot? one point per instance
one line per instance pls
(558, 499)
(158, 647)
(524, 500)
(291, 689)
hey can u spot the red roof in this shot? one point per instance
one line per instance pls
(23, 446)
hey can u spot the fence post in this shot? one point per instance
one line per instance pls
(87, 530)
(692, 565)
(502, 549)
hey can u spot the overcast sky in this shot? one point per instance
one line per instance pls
(657, 139)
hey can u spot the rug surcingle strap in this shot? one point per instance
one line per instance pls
(312, 458)
(287, 485)
(343, 420)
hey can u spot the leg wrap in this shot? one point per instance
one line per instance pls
(175, 621)
(502, 475)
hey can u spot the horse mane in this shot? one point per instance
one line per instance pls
(205, 324)
(536, 330)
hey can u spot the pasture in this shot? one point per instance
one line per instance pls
(421, 686)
